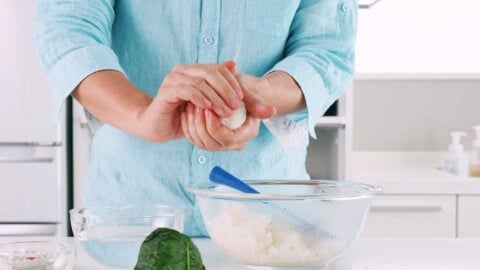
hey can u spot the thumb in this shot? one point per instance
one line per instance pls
(256, 107)
(231, 65)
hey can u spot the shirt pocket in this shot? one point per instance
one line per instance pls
(270, 17)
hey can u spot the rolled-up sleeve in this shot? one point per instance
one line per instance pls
(73, 40)
(319, 53)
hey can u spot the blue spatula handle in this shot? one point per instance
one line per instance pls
(220, 176)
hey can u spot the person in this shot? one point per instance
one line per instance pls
(159, 75)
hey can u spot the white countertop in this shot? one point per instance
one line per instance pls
(366, 254)
(401, 173)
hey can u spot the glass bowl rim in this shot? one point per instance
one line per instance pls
(62, 246)
(365, 190)
(175, 210)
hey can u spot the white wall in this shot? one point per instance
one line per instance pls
(413, 115)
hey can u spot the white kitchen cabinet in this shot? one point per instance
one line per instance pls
(29, 191)
(411, 37)
(469, 216)
(25, 102)
(412, 216)
(33, 174)
(82, 139)
(329, 156)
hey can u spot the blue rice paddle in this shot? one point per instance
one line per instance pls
(222, 177)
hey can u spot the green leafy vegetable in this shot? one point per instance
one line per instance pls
(167, 249)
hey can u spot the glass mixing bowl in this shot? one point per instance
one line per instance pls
(37, 255)
(113, 236)
(290, 224)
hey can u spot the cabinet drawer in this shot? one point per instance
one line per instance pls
(412, 216)
(468, 216)
(29, 192)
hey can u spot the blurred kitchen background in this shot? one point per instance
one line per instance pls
(418, 78)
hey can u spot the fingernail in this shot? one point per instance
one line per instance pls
(227, 111)
(207, 102)
(208, 114)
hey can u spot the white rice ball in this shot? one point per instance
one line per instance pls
(237, 119)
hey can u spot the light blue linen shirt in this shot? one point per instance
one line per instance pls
(312, 40)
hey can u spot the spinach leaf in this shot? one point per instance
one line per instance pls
(167, 249)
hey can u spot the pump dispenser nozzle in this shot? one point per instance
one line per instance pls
(456, 145)
(476, 142)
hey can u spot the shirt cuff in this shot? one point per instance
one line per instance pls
(311, 84)
(288, 133)
(71, 69)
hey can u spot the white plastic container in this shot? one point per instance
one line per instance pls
(456, 161)
(475, 156)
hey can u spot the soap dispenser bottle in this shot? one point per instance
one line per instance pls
(456, 161)
(475, 157)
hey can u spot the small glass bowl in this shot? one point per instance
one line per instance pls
(38, 255)
(113, 236)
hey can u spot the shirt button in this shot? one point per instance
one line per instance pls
(208, 40)
(202, 159)
(345, 7)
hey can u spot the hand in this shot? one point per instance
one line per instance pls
(253, 88)
(215, 82)
(207, 86)
(203, 128)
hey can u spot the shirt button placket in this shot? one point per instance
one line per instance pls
(202, 159)
(207, 54)
(208, 40)
(209, 30)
